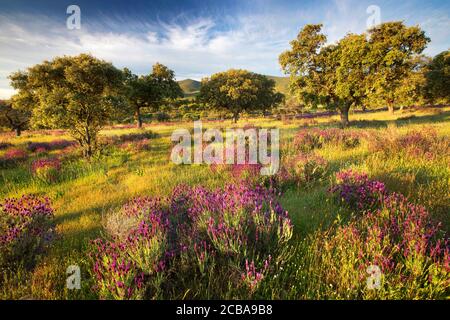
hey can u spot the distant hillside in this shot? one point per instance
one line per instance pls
(189, 86)
(281, 84)
(192, 87)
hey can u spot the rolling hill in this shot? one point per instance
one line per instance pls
(192, 87)
(281, 84)
(189, 86)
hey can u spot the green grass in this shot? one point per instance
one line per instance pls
(86, 191)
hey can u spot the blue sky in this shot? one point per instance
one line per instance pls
(194, 38)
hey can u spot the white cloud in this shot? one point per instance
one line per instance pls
(193, 48)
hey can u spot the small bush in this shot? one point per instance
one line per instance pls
(47, 170)
(306, 168)
(307, 140)
(12, 157)
(399, 240)
(162, 117)
(25, 229)
(50, 146)
(356, 191)
(423, 143)
(197, 241)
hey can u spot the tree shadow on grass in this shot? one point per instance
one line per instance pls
(438, 117)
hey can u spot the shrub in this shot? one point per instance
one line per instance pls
(423, 143)
(198, 241)
(139, 145)
(162, 116)
(47, 170)
(50, 146)
(356, 191)
(12, 157)
(301, 170)
(399, 239)
(15, 155)
(307, 140)
(5, 145)
(306, 168)
(25, 229)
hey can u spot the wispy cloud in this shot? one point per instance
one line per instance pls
(194, 46)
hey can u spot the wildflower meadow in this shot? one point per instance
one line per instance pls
(239, 158)
(142, 227)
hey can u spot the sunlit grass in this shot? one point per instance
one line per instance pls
(88, 190)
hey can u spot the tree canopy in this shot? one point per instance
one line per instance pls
(150, 91)
(437, 87)
(15, 118)
(79, 93)
(357, 68)
(238, 91)
(392, 48)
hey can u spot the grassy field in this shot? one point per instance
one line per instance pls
(86, 192)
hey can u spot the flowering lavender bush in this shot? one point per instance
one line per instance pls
(46, 169)
(130, 137)
(139, 145)
(5, 145)
(423, 143)
(306, 168)
(25, 229)
(400, 239)
(314, 138)
(196, 239)
(12, 156)
(356, 191)
(50, 146)
(15, 155)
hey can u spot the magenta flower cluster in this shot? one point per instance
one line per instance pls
(252, 276)
(315, 138)
(357, 191)
(5, 145)
(50, 146)
(400, 238)
(424, 143)
(12, 157)
(194, 228)
(46, 169)
(15, 154)
(25, 228)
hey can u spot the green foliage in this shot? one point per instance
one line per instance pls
(392, 47)
(150, 91)
(189, 86)
(15, 117)
(438, 78)
(238, 91)
(80, 93)
(344, 75)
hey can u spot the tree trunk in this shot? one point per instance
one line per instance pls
(18, 131)
(235, 117)
(138, 117)
(88, 151)
(391, 107)
(344, 116)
